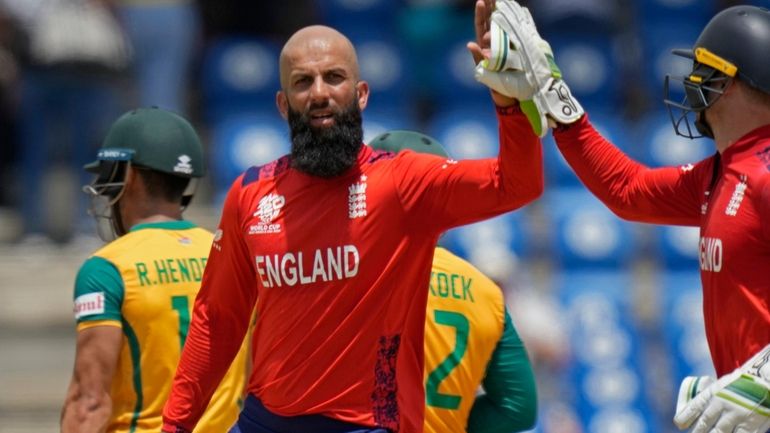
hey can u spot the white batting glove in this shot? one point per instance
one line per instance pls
(738, 402)
(690, 387)
(521, 66)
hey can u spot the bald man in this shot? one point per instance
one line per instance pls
(332, 244)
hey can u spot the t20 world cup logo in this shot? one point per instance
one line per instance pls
(269, 207)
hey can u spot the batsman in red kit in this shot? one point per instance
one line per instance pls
(727, 195)
(333, 245)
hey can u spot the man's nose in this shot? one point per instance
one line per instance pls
(319, 91)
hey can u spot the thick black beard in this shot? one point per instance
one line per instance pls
(326, 152)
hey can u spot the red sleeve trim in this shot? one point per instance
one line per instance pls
(509, 110)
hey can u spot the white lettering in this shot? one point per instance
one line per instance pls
(711, 254)
(335, 263)
(329, 264)
(272, 271)
(351, 271)
(289, 273)
(260, 260)
(304, 279)
(318, 267)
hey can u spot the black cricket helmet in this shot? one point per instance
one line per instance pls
(150, 138)
(734, 44)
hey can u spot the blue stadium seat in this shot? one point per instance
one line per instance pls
(659, 37)
(682, 324)
(662, 147)
(585, 234)
(385, 118)
(606, 371)
(589, 64)
(241, 141)
(453, 81)
(699, 11)
(584, 16)
(468, 132)
(384, 67)
(239, 75)
(346, 15)
(678, 247)
(494, 245)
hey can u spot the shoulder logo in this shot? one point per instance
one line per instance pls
(268, 209)
(737, 197)
(217, 237)
(183, 165)
(357, 198)
(89, 304)
(687, 167)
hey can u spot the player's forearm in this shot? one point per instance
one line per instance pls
(521, 157)
(607, 172)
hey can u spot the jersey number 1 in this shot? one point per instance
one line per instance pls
(432, 396)
(182, 307)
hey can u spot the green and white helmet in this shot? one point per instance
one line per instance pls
(151, 138)
(397, 140)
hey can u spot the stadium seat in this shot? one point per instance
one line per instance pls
(698, 11)
(678, 247)
(662, 147)
(606, 371)
(385, 118)
(346, 15)
(659, 37)
(241, 141)
(589, 64)
(452, 73)
(585, 234)
(682, 324)
(239, 75)
(384, 67)
(467, 132)
(585, 16)
(494, 245)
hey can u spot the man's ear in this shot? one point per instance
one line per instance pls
(363, 94)
(282, 103)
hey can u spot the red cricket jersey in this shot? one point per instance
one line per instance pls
(733, 215)
(338, 269)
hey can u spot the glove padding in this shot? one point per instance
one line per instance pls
(690, 387)
(521, 66)
(738, 402)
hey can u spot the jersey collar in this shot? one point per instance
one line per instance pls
(165, 225)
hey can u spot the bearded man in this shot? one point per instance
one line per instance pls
(333, 245)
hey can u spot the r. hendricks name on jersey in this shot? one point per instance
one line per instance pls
(292, 268)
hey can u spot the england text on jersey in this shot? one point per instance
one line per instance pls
(289, 269)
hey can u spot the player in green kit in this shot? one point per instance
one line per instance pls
(134, 296)
(470, 340)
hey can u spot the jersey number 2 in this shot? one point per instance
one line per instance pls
(432, 396)
(182, 307)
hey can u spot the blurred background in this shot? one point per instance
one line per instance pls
(610, 311)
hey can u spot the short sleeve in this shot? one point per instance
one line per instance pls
(98, 292)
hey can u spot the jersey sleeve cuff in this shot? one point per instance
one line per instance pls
(93, 323)
(509, 110)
